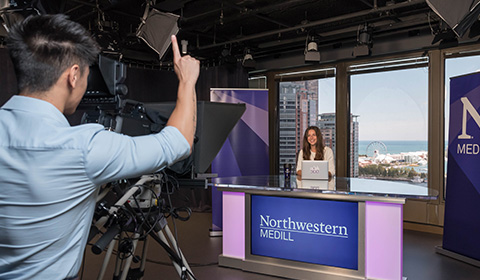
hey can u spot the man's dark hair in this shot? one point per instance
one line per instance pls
(43, 47)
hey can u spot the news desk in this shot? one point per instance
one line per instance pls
(345, 228)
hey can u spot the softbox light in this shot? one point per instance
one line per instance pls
(459, 15)
(156, 30)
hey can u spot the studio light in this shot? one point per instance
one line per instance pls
(3, 29)
(184, 46)
(447, 39)
(248, 61)
(311, 50)
(156, 29)
(226, 55)
(364, 41)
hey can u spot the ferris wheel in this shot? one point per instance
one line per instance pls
(376, 148)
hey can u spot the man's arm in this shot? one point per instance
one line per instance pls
(184, 116)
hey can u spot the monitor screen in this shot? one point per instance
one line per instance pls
(314, 231)
(96, 83)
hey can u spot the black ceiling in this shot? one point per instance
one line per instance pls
(219, 30)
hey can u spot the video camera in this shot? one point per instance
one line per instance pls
(105, 103)
(138, 210)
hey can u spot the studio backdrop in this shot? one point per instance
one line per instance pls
(245, 153)
(462, 207)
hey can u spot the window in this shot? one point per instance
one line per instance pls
(389, 120)
(302, 104)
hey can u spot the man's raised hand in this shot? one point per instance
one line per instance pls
(186, 67)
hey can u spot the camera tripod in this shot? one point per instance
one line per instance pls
(155, 226)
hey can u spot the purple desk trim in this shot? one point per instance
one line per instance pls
(383, 240)
(234, 224)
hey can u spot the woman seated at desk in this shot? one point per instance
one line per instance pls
(314, 149)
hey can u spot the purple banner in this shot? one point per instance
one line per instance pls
(245, 152)
(462, 207)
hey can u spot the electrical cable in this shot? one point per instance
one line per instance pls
(173, 220)
(146, 221)
(174, 215)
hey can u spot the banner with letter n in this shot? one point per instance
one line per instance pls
(461, 237)
(245, 152)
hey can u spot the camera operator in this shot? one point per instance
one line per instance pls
(50, 172)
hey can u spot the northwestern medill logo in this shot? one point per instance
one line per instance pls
(282, 229)
(314, 170)
(469, 149)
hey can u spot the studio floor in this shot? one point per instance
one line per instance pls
(420, 262)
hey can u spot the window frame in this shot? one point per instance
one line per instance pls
(436, 108)
(381, 66)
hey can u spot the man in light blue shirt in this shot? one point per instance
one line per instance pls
(50, 172)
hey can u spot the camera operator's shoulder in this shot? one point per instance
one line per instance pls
(88, 128)
(84, 133)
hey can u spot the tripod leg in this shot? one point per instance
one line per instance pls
(180, 270)
(164, 240)
(144, 257)
(128, 262)
(118, 262)
(106, 259)
(174, 244)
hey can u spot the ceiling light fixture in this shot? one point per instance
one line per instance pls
(248, 61)
(311, 50)
(364, 41)
(184, 46)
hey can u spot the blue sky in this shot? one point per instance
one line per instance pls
(394, 105)
(391, 105)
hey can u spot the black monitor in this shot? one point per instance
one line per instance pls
(106, 78)
(215, 121)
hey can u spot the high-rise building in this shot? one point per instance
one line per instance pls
(287, 115)
(326, 123)
(298, 109)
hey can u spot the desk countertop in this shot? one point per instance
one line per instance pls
(336, 188)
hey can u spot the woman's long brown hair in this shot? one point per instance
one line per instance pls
(319, 145)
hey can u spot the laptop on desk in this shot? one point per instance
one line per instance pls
(314, 170)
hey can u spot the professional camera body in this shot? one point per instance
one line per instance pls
(105, 103)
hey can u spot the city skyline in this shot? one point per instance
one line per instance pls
(390, 105)
(298, 109)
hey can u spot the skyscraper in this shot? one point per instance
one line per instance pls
(326, 123)
(298, 109)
